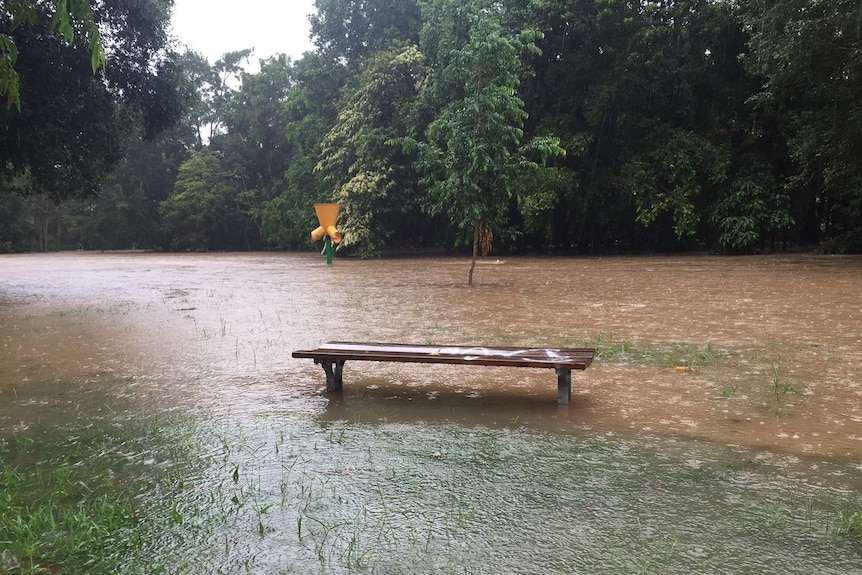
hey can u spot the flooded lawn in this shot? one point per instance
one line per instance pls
(719, 429)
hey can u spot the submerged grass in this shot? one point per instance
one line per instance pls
(665, 355)
(73, 498)
(781, 386)
(849, 524)
(609, 348)
(58, 514)
(282, 494)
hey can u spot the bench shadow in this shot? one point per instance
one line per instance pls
(374, 401)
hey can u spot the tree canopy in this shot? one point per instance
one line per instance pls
(70, 18)
(71, 120)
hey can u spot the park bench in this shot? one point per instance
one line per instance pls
(331, 356)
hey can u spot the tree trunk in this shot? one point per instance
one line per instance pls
(43, 234)
(475, 253)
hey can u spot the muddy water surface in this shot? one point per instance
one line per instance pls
(705, 365)
(774, 343)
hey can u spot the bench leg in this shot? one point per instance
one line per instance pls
(564, 386)
(333, 371)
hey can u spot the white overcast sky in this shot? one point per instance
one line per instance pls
(213, 27)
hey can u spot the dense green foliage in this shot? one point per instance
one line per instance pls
(70, 126)
(70, 18)
(568, 125)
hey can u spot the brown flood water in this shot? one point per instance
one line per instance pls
(782, 336)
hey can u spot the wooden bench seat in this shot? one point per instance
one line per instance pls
(331, 356)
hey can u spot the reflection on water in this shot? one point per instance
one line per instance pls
(739, 463)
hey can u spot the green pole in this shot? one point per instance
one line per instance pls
(328, 251)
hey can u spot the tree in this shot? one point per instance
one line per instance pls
(667, 174)
(203, 214)
(198, 77)
(351, 31)
(65, 17)
(221, 87)
(210, 90)
(473, 152)
(72, 125)
(684, 126)
(372, 178)
(753, 207)
(124, 213)
(15, 224)
(255, 143)
(810, 54)
(310, 111)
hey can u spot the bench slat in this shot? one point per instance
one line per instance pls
(504, 356)
(570, 363)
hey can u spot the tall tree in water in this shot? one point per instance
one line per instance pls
(255, 143)
(473, 149)
(203, 213)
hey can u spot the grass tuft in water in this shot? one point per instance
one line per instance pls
(665, 355)
(849, 524)
(656, 556)
(727, 392)
(781, 386)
